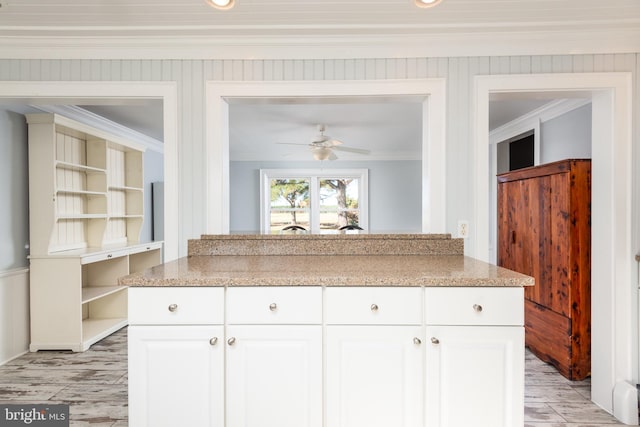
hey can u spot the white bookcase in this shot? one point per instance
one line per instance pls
(86, 213)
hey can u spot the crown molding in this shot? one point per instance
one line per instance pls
(449, 43)
(91, 119)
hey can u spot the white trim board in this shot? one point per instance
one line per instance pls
(167, 91)
(336, 46)
(614, 296)
(220, 93)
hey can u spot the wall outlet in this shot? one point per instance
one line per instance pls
(463, 229)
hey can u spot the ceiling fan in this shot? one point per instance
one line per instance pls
(322, 146)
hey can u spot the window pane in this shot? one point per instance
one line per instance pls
(338, 202)
(289, 203)
(281, 218)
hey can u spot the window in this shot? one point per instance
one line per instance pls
(317, 199)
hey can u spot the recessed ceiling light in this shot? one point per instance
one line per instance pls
(427, 3)
(221, 4)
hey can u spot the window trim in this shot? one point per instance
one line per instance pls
(314, 175)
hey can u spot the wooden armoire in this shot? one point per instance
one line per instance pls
(544, 231)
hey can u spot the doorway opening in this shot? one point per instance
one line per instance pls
(79, 93)
(614, 309)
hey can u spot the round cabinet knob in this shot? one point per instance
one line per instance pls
(273, 306)
(173, 308)
(435, 341)
(213, 341)
(417, 341)
(231, 341)
(477, 308)
(374, 307)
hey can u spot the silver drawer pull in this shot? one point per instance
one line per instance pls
(273, 306)
(213, 341)
(231, 341)
(435, 341)
(374, 307)
(173, 308)
(417, 341)
(477, 308)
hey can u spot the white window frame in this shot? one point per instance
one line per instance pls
(314, 176)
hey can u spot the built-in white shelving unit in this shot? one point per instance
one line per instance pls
(86, 191)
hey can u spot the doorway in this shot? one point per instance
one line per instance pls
(83, 92)
(614, 312)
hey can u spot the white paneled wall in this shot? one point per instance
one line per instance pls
(14, 313)
(192, 74)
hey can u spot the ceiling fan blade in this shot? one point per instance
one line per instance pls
(352, 150)
(333, 142)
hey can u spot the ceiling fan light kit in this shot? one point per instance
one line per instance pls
(322, 146)
(221, 4)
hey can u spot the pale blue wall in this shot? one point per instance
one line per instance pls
(14, 191)
(395, 202)
(567, 136)
(153, 172)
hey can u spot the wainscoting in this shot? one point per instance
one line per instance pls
(14, 313)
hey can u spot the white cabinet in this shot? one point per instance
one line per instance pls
(374, 357)
(475, 357)
(176, 376)
(85, 215)
(75, 299)
(176, 357)
(326, 357)
(274, 357)
(274, 376)
(374, 376)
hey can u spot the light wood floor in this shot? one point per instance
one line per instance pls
(94, 384)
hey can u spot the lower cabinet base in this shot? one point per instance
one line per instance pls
(325, 357)
(550, 336)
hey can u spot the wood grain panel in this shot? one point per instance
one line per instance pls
(548, 336)
(544, 230)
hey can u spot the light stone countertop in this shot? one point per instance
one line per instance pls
(327, 270)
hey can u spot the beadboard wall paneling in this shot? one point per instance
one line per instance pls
(190, 76)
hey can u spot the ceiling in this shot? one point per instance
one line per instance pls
(125, 18)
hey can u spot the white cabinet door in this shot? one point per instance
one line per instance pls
(475, 376)
(375, 376)
(274, 376)
(176, 376)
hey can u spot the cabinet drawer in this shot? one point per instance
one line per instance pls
(274, 305)
(474, 306)
(373, 306)
(103, 256)
(176, 306)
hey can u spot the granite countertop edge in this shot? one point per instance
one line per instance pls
(400, 271)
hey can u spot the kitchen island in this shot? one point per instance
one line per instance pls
(326, 330)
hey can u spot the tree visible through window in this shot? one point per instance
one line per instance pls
(289, 203)
(322, 200)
